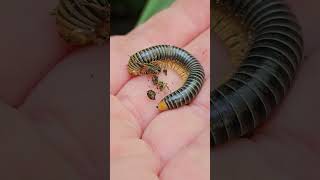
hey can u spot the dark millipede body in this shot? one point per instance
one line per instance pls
(153, 59)
(268, 41)
(82, 22)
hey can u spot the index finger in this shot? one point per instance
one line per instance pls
(176, 25)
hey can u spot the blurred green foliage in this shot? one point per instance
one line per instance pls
(152, 7)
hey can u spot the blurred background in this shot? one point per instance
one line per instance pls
(126, 14)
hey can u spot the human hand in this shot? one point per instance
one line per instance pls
(53, 105)
(146, 144)
(287, 145)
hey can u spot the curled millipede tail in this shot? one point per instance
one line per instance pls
(167, 56)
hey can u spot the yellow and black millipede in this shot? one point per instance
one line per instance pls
(83, 22)
(266, 37)
(153, 59)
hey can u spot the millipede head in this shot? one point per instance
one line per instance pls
(162, 106)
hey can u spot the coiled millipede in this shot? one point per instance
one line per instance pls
(83, 22)
(153, 59)
(268, 42)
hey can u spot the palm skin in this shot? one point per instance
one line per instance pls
(146, 144)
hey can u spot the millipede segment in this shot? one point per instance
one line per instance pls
(265, 37)
(151, 60)
(83, 22)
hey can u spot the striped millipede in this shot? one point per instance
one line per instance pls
(268, 42)
(83, 22)
(153, 59)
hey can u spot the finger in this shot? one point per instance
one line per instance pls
(193, 162)
(176, 25)
(127, 150)
(122, 123)
(72, 99)
(169, 132)
(133, 94)
(180, 17)
(30, 46)
(135, 160)
(23, 143)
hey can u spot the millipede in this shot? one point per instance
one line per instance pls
(264, 40)
(83, 22)
(151, 60)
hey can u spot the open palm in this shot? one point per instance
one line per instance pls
(146, 144)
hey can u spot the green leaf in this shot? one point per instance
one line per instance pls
(152, 7)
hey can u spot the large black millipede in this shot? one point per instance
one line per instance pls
(265, 37)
